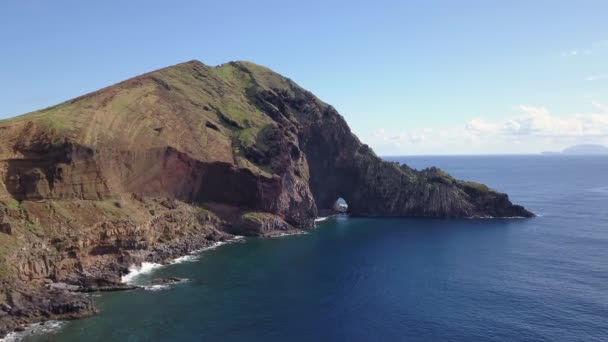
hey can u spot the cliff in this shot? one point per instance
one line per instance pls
(173, 160)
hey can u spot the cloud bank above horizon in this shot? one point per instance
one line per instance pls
(531, 129)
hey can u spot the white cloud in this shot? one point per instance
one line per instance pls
(600, 106)
(597, 77)
(575, 52)
(531, 129)
(592, 48)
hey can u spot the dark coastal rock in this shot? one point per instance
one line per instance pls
(329, 212)
(63, 286)
(259, 224)
(167, 280)
(69, 305)
(33, 304)
(6, 228)
(111, 283)
(115, 288)
(341, 166)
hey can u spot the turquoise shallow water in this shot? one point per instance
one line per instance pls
(360, 279)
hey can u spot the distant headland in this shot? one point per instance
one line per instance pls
(583, 149)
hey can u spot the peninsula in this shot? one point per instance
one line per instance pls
(177, 159)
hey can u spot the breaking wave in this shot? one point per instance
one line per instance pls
(48, 328)
(156, 287)
(135, 271)
(147, 267)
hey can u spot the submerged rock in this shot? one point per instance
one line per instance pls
(167, 280)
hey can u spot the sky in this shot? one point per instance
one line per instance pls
(410, 77)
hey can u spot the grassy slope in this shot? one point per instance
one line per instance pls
(178, 100)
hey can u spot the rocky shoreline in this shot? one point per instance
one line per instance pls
(57, 301)
(61, 301)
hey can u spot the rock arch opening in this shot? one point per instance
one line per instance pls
(340, 206)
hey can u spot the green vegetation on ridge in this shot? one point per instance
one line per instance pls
(139, 108)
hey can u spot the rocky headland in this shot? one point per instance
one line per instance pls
(178, 159)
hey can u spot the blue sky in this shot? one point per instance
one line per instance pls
(410, 77)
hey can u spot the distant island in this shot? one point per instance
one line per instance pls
(583, 149)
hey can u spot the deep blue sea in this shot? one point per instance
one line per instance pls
(361, 279)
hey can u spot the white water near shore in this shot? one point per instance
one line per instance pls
(194, 255)
(135, 271)
(333, 216)
(48, 328)
(280, 235)
(51, 327)
(146, 267)
(156, 287)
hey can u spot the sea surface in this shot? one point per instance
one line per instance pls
(362, 279)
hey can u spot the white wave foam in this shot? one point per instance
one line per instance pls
(156, 287)
(185, 258)
(135, 271)
(213, 246)
(49, 327)
(236, 238)
(193, 256)
(279, 235)
(321, 219)
(147, 267)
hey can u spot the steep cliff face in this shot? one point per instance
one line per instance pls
(341, 166)
(237, 134)
(176, 159)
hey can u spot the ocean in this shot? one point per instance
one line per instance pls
(364, 279)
